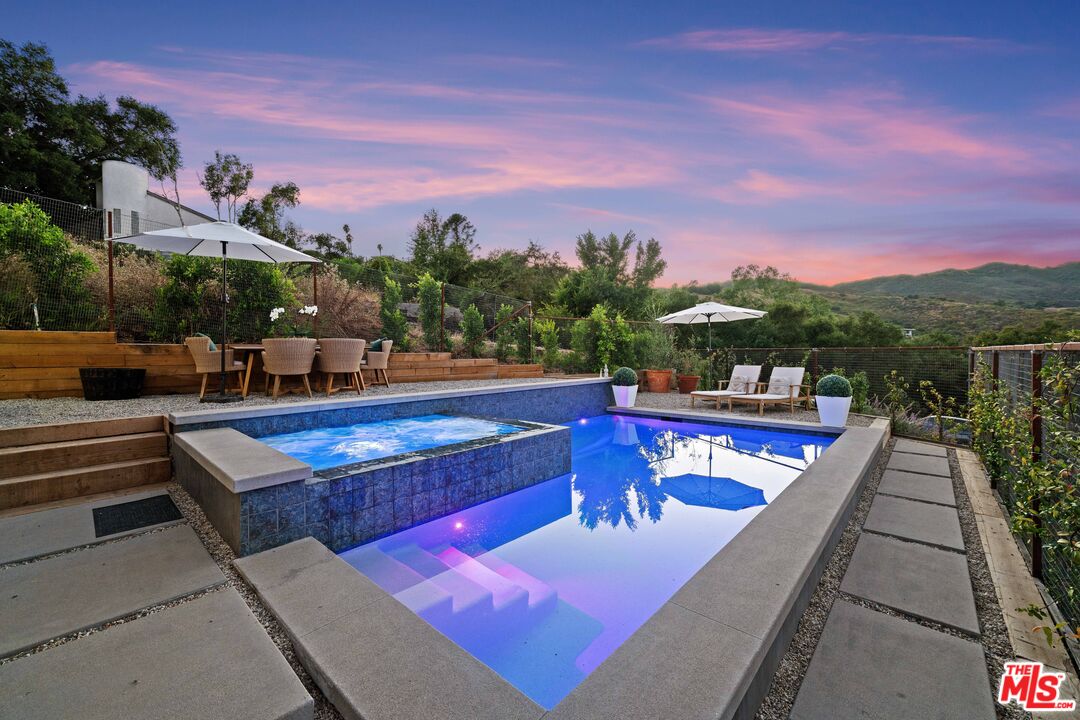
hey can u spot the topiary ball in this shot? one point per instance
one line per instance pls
(624, 376)
(833, 386)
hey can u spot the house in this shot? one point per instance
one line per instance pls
(132, 207)
(909, 332)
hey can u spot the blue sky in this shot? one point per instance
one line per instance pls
(834, 140)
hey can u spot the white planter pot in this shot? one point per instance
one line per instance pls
(833, 410)
(625, 395)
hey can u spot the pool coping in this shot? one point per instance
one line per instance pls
(177, 420)
(710, 650)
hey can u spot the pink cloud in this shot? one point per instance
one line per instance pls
(858, 125)
(760, 187)
(769, 41)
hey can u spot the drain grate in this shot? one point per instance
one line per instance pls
(133, 515)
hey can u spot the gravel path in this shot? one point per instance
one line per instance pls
(676, 401)
(27, 411)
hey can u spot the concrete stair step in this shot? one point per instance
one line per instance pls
(505, 594)
(69, 454)
(541, 595)
(61, 484)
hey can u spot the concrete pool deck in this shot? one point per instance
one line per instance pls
(708, 652)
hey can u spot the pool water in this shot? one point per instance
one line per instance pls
(323, 448)
(545, 583)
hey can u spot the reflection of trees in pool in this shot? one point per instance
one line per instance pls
(626, 479)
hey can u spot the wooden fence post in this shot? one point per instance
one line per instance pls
(442, 317)
(813, 365)
(1036, 457)
(112, 293)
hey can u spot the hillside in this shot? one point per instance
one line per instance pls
(953, 317)
(987, 284)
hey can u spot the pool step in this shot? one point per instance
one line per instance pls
(504, 593)
(45, 463)
(541, 595)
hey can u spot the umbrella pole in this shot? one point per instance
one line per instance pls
(222, 396)
(710, 332)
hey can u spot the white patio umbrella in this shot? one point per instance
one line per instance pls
(218, 240)
(709, 312)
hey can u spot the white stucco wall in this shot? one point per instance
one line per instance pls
(126, 187)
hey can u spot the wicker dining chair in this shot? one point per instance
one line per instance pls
(208, 362)
(341, 356)
(377, 362)
(287, 357)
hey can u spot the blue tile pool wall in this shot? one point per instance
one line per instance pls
(384, 497)
(552, 405)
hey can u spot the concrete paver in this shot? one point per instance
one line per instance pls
(925, 464)
(918, 580)
(913, 520)
(914, 486)
(204, 659)
(871, 665)
(79, 590)
(904, 445)
(49, 531)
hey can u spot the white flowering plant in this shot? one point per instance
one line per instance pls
(282, 326)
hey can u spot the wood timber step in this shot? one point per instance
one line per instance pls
(75, 482)
(61, 432)
(69, 454)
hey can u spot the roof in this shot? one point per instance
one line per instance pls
(184, 207)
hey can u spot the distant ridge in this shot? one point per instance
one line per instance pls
(994, 282)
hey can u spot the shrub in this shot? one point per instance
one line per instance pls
(549, 339)
(429, 295)
(860, 391)
(53, 272)
(938, 405)
(472, 328)
(896, 396)
(622, 341)
(504, 335)
(523, 339)
(394, 325)
(834, 386)
(624, 376)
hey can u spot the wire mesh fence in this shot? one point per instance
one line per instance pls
(59, 271)
(1018, 372)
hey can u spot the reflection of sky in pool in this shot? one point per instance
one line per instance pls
(323, 448)
(543, 584)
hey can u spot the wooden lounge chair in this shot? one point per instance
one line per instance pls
(208, 362)
(341, 356)
(785, 387)
(743, 380)
(378, 361)
(288, 357)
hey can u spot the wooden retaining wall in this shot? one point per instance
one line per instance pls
(46, 364)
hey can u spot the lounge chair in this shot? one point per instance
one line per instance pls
(743, 380)
(378, 361)
(785, 387)
(341, 356)
(287, 357)
(208, 362)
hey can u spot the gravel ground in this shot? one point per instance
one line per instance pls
(677, 401)
(789, 674)
(27, 411)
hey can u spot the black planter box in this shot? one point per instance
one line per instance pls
(112, 383)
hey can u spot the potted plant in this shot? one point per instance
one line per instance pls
(659, 361)
(689, 371)
(833, 400)
(624, 384)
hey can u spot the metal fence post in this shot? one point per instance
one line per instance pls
(315, 298)
(532, 344)
(442, 317)
(1036, 458)
(112, 293)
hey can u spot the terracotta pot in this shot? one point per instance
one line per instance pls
(688, 383)
(659, 381)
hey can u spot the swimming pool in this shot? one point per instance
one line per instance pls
(545, 583)
(323, 448)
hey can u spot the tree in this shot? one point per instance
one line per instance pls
(53, 145)
(226, 179)
(394, 325)
(607, 277)
(549, 338)
(504, 333)
(443, 248)
(529, 274)
(266, 215)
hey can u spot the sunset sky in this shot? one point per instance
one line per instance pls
(835, 140)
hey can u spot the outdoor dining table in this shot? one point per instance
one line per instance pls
(251, 350)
